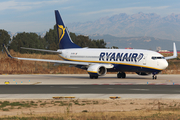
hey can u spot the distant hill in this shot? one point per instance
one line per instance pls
(141, 24)
(137, 42)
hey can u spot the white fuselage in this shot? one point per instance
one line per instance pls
(130, 57)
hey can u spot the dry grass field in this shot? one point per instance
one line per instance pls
(12, 66)
(90, 109)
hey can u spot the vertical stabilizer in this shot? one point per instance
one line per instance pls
(64, 39)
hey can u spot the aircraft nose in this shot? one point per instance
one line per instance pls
(164, 64)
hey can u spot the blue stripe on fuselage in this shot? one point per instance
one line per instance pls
(129, 68)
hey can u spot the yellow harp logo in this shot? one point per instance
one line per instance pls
(61, 31)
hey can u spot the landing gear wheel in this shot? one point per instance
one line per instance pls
(121, 75)
(154, 77)
(93, 76)
(96, 77)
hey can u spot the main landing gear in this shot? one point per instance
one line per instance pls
(121, 75)
(93, 76)
(154, 77)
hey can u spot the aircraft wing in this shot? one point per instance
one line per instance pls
(174, 53)
(52, 51)
(46, 60)
(54, 61)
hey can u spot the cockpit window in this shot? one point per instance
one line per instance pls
(154, 58)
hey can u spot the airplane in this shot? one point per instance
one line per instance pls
(98, 61)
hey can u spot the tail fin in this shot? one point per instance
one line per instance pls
(65, 41)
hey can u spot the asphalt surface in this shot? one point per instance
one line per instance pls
(89, 89)
(77, 79)
(45, 86)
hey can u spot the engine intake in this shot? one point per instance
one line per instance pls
(97, 69)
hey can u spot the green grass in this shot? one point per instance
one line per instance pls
(42, 104)
(18, 104)
(95, 102)
(5, 109)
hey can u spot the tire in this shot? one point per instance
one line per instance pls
(123, 75)
(119, 75)
(96, 77)
(91, 76)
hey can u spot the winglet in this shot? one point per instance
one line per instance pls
(174, 53)
(9, 55)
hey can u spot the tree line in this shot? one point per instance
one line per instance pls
(49, 41)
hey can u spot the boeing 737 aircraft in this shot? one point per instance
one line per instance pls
(98, 62)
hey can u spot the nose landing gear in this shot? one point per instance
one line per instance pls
(154, 77)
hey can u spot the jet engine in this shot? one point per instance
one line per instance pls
(97, 69)
(143, 73)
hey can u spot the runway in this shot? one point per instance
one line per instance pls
(79, 85)
(89, 89)
(77, 79)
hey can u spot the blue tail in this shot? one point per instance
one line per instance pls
(64, 39)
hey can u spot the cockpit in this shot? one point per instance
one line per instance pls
(155, 58)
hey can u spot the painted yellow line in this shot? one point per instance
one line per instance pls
(69, 97)
(6, 82)
(57, 97)
(60, 97)
(114, 97)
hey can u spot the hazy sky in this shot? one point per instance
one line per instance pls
(38, 15)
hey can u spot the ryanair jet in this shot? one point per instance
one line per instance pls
(98, 62)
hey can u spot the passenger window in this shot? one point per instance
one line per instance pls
(154, 58)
